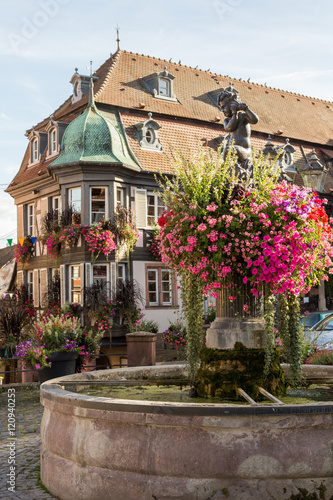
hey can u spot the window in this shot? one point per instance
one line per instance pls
(155, 208)
(30, 285)
(120, 197)
(34, 150)
(147, 134)
(121, 274)
(74, 202)
(97, 204)
(100, 275)
(53, 146)
(30, 219)
(56, 205)
(164, 87)
(160, 286)
(75, 284)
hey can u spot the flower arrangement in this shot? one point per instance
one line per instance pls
(54, 333)
(70, 236)
(125, 229)
(273, 235)
(53, 244)
(277, 237)
(23, 252)
(99, 240)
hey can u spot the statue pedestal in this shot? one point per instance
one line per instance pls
(225, 332)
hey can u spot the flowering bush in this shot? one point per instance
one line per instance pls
(321, 357)
(155, 246)
(70, 236)
(32, 354)
(175, 335)
(99, 240)
(22, 253)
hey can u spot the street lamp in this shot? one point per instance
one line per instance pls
(313, 173)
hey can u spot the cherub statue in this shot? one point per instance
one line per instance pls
(237, 123)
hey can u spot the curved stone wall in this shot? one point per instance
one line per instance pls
(100, 448)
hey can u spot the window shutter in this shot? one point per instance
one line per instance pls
(20, 221)
(63, 284)
(36, 288)
(141, 208)
(88, 274)
(43, 287)
(19, 279)
(113, 279)
(83, 283)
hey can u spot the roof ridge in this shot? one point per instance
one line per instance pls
(114, 58)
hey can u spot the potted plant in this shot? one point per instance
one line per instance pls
(55, 344)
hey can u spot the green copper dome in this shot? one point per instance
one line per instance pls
(96, 137)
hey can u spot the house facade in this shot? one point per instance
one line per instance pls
(119, 128)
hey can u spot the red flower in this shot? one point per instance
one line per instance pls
(162, 221)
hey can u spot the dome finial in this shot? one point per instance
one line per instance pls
(91, 103)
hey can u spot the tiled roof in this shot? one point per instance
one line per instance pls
(195, 116)
(297, 116)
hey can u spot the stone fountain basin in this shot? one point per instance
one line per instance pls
(97, 448)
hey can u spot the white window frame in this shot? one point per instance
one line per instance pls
(34, 150)
(158, 280)
(56, 204)
(106, 278)
(158, 207)
(121, 192)
(31, 219)
(74, 290)
(70, 199)
(91, 202)
(53, 141)
(167, 91)
(121, 276)
(30, 285)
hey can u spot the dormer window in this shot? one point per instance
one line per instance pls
(53, 141)
(147, 133)
(80, 85)
(164, 87)
(55, 131)
(34, 150)
(160, 85)
(38, 143)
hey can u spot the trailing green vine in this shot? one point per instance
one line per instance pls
(192, 305)
(269, 315)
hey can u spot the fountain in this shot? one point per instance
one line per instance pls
(97, 447)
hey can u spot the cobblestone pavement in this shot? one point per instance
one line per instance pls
(27, 414)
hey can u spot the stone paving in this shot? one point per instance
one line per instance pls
(28, 414)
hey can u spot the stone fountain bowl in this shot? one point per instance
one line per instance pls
(97, 448)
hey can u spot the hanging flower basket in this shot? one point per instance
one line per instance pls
(99, 240)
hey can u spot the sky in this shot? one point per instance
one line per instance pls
(284, 44)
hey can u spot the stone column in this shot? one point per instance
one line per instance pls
(141, 349)
(234, 322)
(321, 298)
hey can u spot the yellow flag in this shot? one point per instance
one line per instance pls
(21, 241)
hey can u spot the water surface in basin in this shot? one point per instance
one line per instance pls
(180, 394)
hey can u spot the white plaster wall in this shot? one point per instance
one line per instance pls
(163, 316)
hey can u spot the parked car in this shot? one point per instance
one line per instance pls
(322, 332)
(311, 319)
